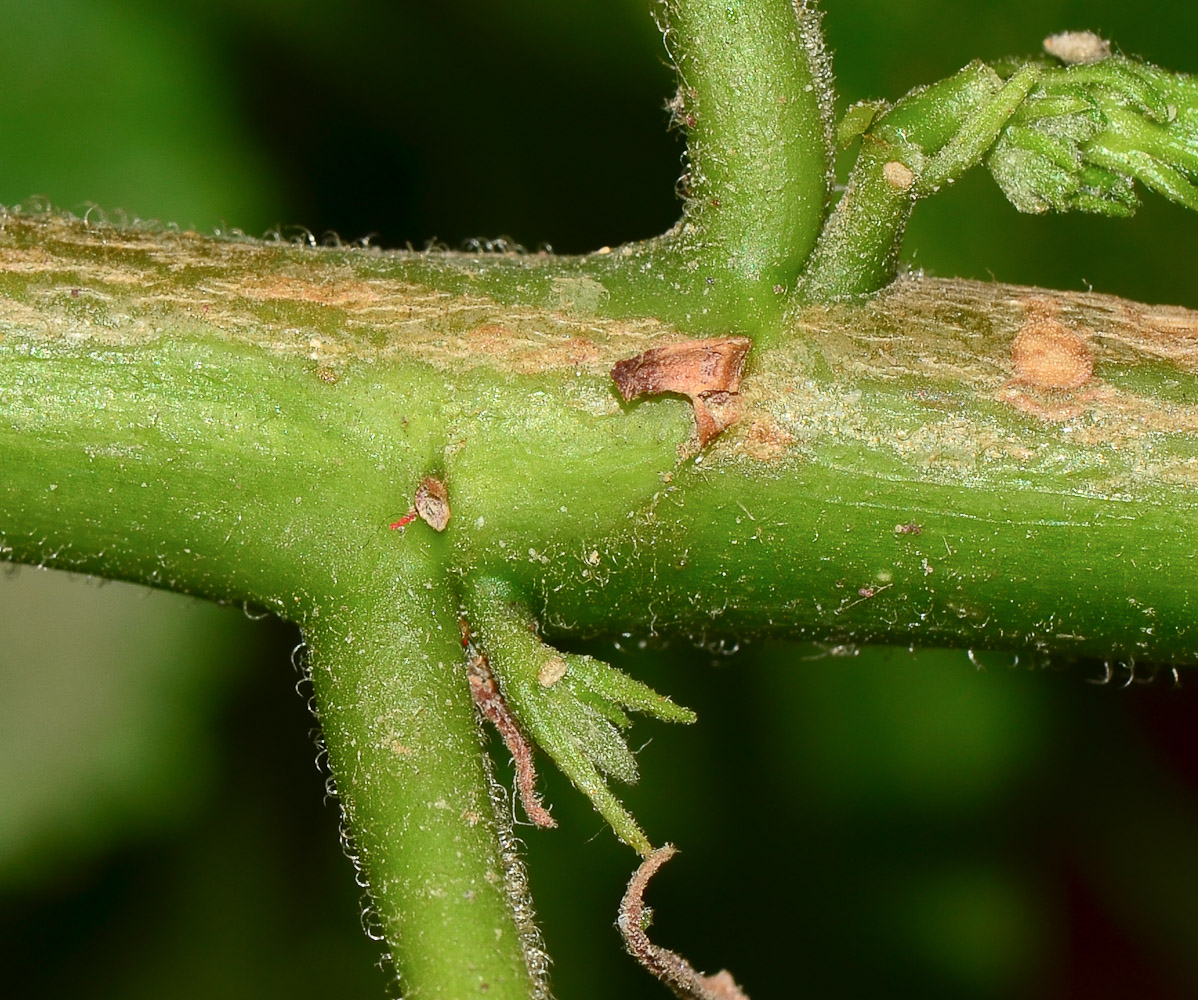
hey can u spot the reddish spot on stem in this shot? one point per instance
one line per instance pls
(1049, 355)
(431, 505)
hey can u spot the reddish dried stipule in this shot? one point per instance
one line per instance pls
(484, 689)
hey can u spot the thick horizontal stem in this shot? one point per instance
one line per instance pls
(947, 462)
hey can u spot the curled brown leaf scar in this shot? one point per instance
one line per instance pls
(707, 372)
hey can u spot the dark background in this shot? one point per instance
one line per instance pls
(852, 826)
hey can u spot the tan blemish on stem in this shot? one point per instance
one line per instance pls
(1166, 332)
(1045, 406)
(764, 440)
(708, 372)
(341, 292)
(496, 339)
(897, 175)
(145, 283)
(552, 671)
(1049, 355)
(1054, 368)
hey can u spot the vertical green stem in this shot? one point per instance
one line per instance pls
(754, 96)
(404, 749)
(859, 249)
(927, 140)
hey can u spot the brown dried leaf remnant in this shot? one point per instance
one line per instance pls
(668, 966)
(708, 372)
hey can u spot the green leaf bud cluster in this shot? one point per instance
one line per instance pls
(1087, 132)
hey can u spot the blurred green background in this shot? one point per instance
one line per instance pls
(866, 825)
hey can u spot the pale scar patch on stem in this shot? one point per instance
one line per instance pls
(343, 292)
(1053, 367)
(707, 372)
(897, 175)
(763, 440)
(529, 352)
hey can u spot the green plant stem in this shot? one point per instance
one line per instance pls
(977, 133)
(244, 478)
(403, 744)
(280, 405)
(1072, 138)
(858, 251)
(242, 421)
(754, 98)
(934, 134)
